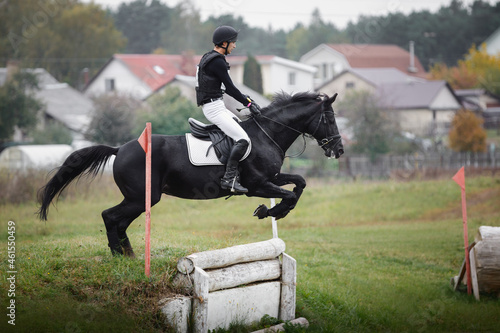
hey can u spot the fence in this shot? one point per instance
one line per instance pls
(419, 163)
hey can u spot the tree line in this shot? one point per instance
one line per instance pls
(67, 36)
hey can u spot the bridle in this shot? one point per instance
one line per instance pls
(324, 143)
(336, 139)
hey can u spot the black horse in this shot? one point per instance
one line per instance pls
(172, 173)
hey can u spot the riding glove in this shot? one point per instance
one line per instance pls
(253, 107)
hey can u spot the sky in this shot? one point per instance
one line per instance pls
(285, 14)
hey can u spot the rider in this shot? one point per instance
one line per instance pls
(213, 80)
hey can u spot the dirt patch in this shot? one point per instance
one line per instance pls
(481, 204)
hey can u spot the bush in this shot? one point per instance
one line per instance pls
(113, 120)
(53, 133)
(19, 187)
(467, 133)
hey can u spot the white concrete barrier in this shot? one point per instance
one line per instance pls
(236, 284)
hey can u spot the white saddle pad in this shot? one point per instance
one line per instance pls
(197, 151)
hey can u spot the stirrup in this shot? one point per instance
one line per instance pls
(232, 184)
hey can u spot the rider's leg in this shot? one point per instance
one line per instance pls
(231, 179)
(217, 113)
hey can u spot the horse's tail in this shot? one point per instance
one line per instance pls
(87, 161)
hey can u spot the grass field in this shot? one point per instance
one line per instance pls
(371, 257)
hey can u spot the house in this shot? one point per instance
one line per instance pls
(332, 59)
(483, 103)
(63, 104)
(278, 74)
(493, 43)
(424, 107)
(140, 75)
(143, 74)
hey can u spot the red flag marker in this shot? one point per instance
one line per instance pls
(459, 178)
(145, 141)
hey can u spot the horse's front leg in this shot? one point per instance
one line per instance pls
(273, 190)
(299, 182)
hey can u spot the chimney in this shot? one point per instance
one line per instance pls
(412, 68)
(12, 68)
(85, 76)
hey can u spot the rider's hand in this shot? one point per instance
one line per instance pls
(253, 107)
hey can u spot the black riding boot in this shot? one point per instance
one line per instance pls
(231, 179)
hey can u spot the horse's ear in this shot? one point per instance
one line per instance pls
(334, 97)
(330, 100)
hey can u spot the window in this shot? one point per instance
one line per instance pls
(349, 85)
(325, 71)
(109, 85)
(291, 78)
(158, 69)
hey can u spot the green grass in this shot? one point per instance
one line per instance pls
(371, 257)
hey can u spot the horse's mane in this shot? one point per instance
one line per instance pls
(283, 99)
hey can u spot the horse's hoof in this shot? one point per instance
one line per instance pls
(261, 212)
(129, 253)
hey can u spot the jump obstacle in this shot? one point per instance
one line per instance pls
(235, 284)
(484, 255)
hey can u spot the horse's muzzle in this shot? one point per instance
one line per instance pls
(334, 153)
(332, 146)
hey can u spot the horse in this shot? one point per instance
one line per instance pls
(172, 173)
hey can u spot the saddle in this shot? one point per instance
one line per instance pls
(221, 143)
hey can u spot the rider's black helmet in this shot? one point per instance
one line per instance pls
(224, 33)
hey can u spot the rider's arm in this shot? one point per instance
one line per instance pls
(218, 67)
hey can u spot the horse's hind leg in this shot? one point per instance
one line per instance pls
(117, 219)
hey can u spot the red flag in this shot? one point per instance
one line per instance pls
(459, 178)
(143, 140)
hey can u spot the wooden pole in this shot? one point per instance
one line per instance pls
(200, 303)
(273, 219)
(145, 141)
(228, 256)
(459, 178)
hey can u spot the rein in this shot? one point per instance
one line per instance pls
(275, 143)
(323, 142)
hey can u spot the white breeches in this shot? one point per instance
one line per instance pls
(217, 113)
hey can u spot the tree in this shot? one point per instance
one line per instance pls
(53, 133)
(142, 23)
(18, 104)
(374, 130)
(252, 74)
(477, 69)
(457, 26)
(186, 32)
(302, 39)
(467, 133)
(64, 37)
(459, 77)
(168, 113)
(296, 42)
(114, 119)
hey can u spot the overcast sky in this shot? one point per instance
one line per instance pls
(284, 14)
